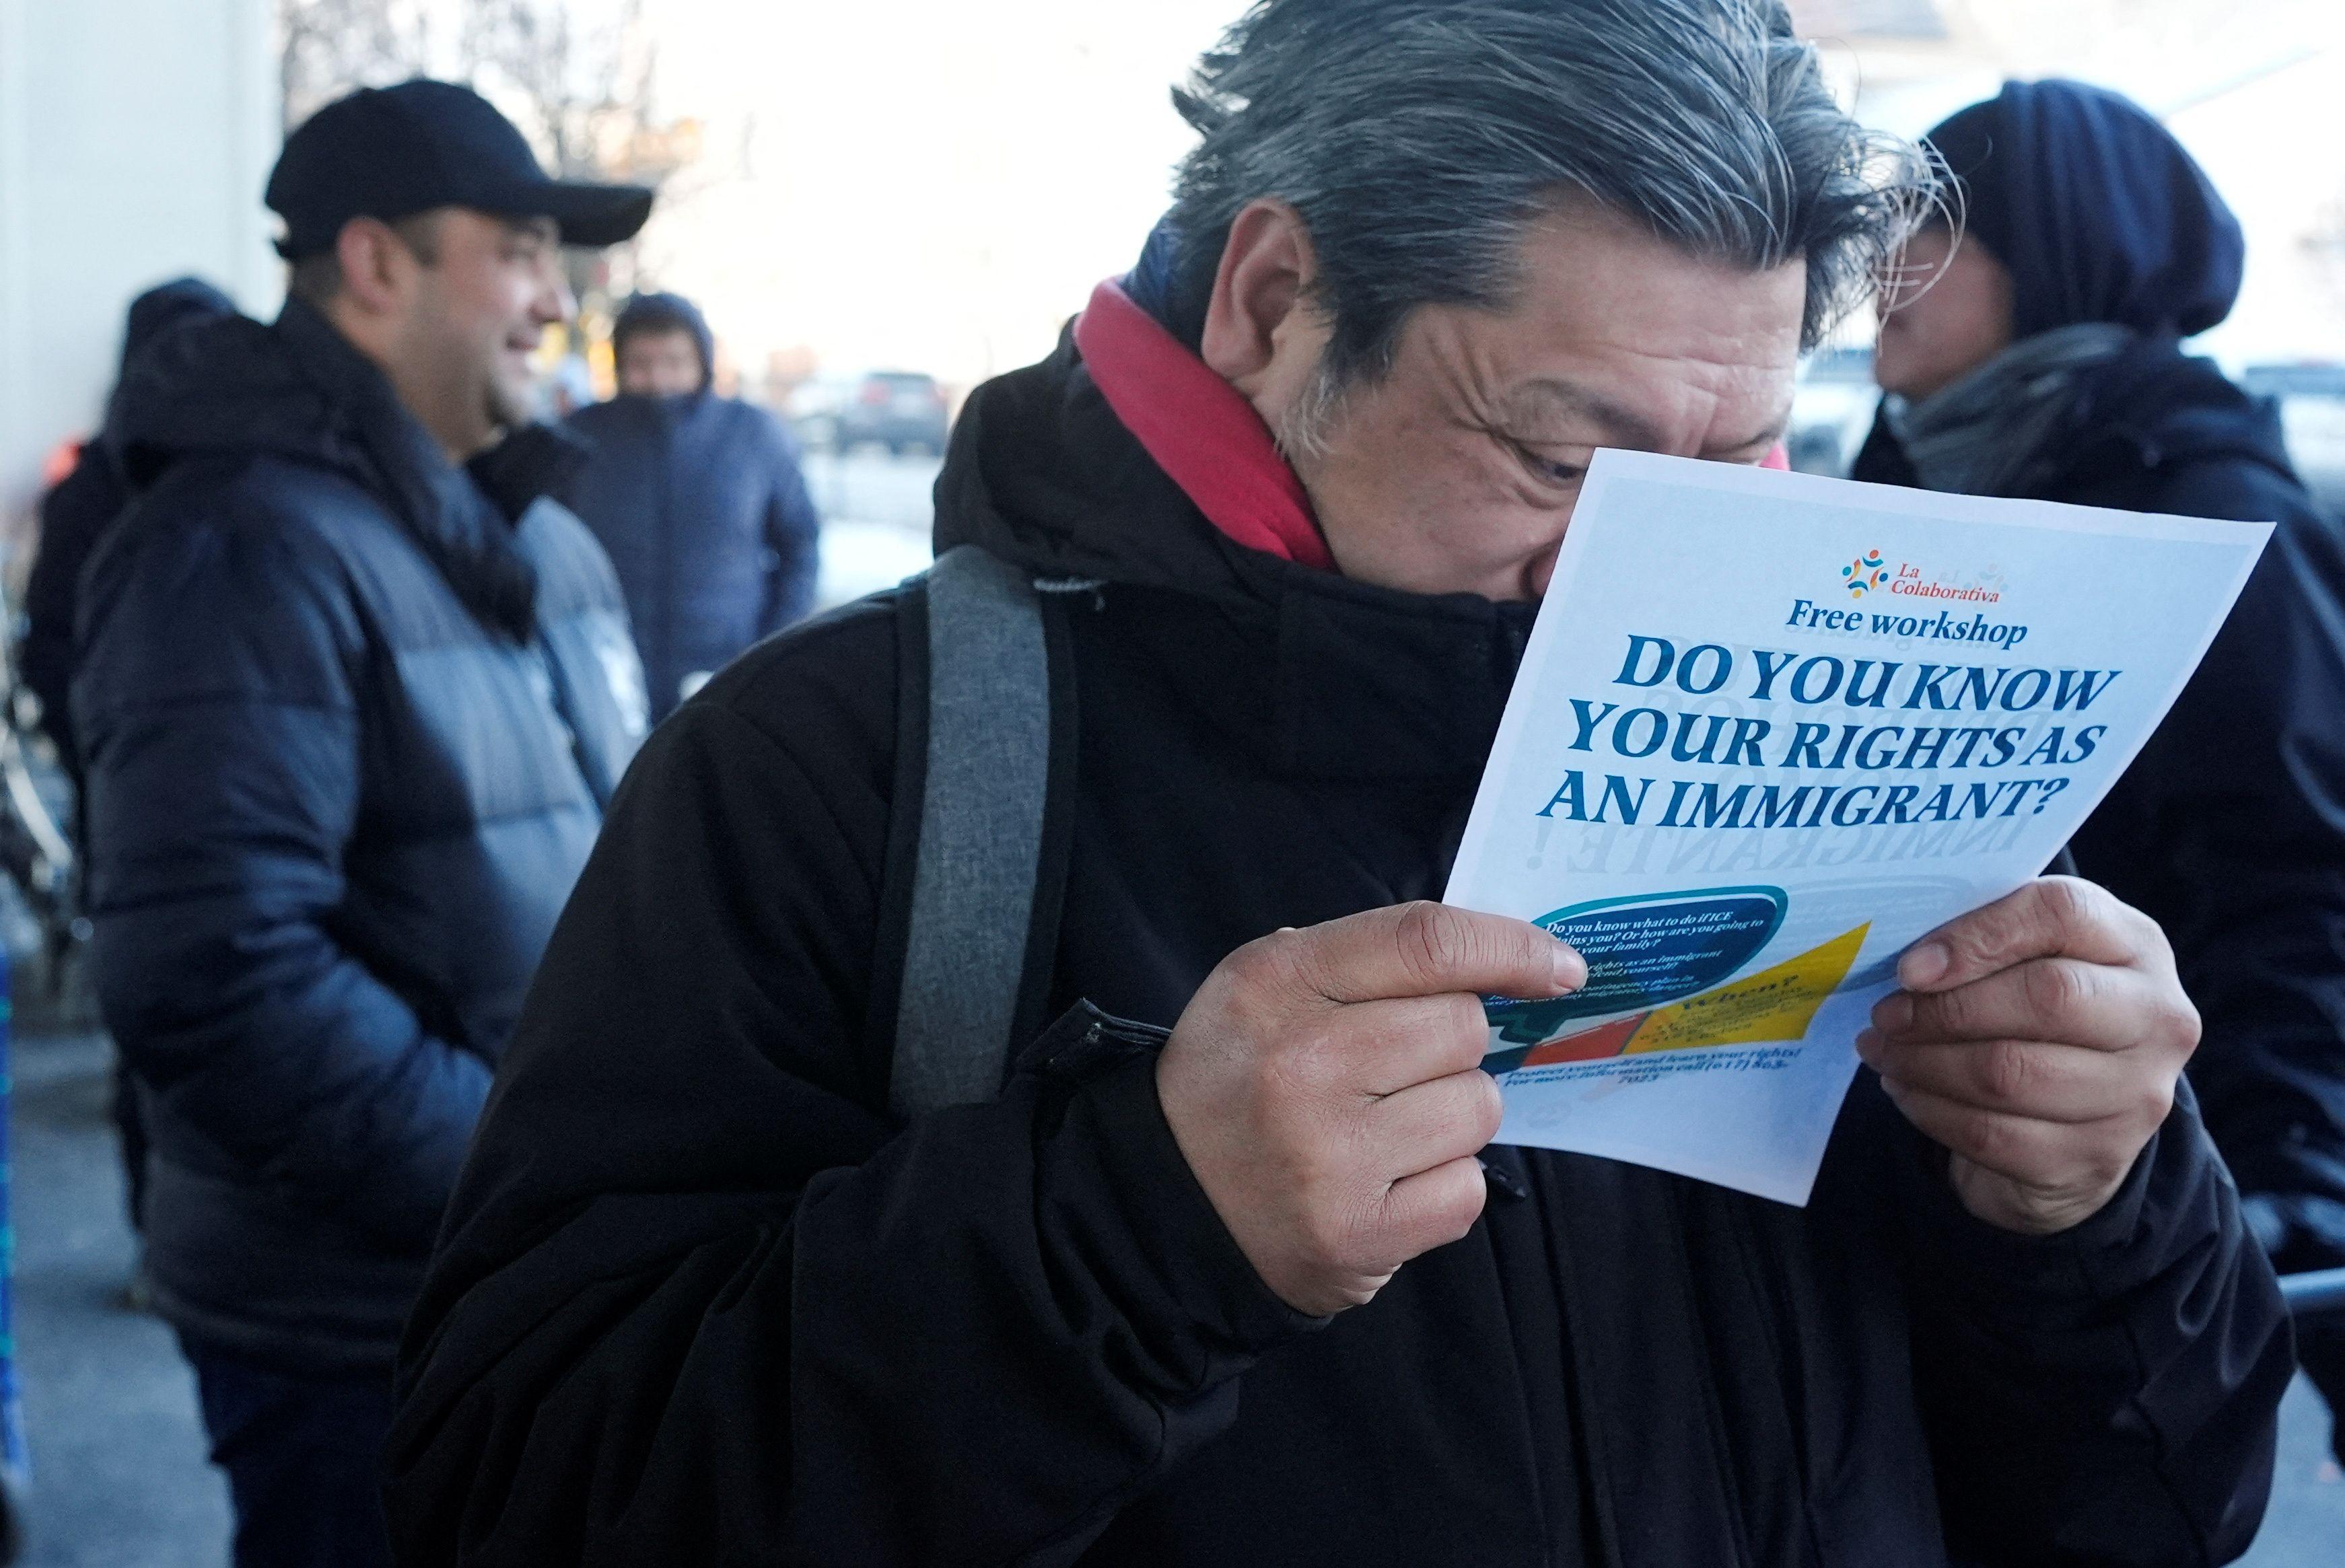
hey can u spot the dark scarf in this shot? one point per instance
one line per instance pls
(1994, 432)
(2115, 241)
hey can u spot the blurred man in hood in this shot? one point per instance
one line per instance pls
(697, 498)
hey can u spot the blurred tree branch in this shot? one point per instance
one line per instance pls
(583, 87)
(326, 48)
(578, 77)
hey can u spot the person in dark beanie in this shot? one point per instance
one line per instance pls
(800, 1232)
(2042, 357)
(79, 508)
(697, 498)
(352, 695)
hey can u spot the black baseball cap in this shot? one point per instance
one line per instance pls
(389, 153)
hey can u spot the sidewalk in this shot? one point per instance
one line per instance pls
(118, 1474)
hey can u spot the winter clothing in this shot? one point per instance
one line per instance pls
(2095, 209)
(1987, 433)
(2230, 828)
(303, 1458)
(80, 508)
(350, 725)
(659, 312)
(393, 152)
(701, 505)
(74, 514)
(755, 1318)
(1198, 429)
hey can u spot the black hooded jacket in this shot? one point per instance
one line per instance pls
(76, 512)
(2230, 828)
(349, 726)
(703, 1300)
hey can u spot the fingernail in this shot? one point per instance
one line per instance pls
(1868, 1044)
(1570, 969)
(1894, 1013)
(1923, 964)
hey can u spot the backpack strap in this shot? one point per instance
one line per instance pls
(981, 923)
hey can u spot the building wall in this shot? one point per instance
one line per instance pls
(135, 137)
(2251, 90)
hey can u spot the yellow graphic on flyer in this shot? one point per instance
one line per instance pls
(1777, 1003)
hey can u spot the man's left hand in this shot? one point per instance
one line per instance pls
(2038, 1040)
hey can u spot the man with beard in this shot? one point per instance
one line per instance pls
(755, 1261)
(351, 701)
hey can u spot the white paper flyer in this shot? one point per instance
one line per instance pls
(1770, 730)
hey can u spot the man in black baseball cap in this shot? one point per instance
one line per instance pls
(352, 695)
(424, 199)
(391, 153)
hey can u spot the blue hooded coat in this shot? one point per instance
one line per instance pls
(2230, 828)
(699, 501)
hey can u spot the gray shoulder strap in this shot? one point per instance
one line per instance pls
(989, 765)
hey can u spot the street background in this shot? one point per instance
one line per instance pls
(923, 187)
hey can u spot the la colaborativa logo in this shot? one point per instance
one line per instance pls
(1866, 573)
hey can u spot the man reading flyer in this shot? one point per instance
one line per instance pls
(1226, 1270)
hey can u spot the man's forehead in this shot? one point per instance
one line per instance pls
(1631, 339)
(1592, 274)
(1612, 415)
(513, 226)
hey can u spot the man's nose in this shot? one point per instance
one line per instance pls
(554, 301)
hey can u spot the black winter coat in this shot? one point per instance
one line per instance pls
(700, 502)
(2230, 828)
(350, 728)
(75, 515)
(703, 1299)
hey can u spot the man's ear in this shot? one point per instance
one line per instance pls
(1261, 293)
(377, 265)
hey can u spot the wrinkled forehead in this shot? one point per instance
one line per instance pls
(1617, 331)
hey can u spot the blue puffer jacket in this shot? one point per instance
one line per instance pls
(350, 725)
(701, 505)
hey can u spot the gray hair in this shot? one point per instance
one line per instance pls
(1418, 139)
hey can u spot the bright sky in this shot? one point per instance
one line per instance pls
(926, 184)
(936, 184)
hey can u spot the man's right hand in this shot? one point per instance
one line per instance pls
(1325, 1087)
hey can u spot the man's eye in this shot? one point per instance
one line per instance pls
(1552, 472)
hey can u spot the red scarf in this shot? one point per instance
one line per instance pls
(1199, 430)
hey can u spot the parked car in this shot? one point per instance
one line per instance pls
(811, 409)
(2311, 399)
(1831, 411)
(899, 410)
